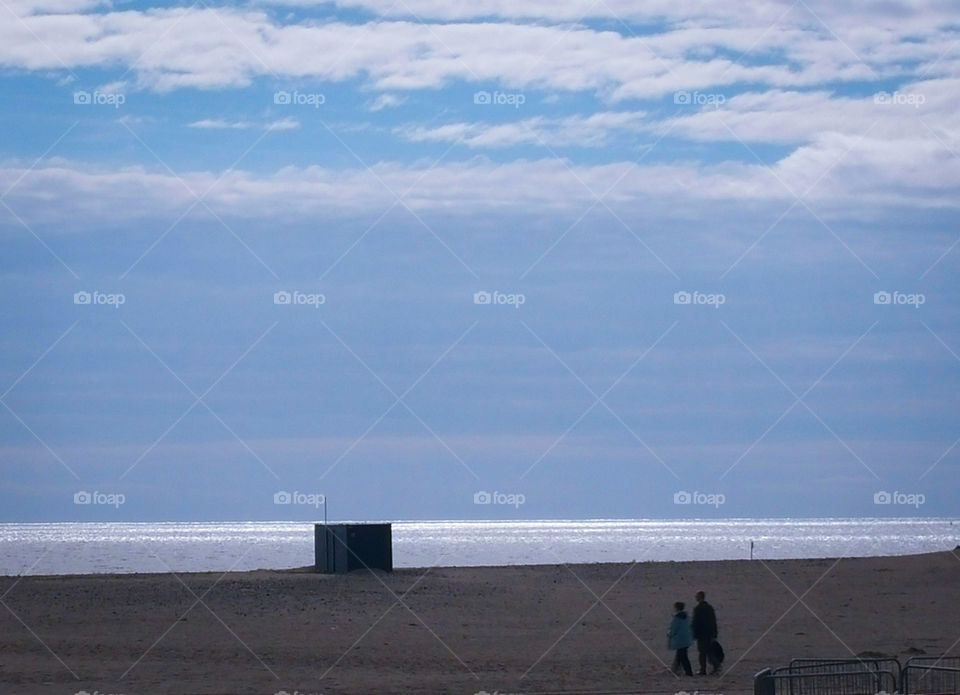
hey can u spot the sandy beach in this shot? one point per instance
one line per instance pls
(530, 629)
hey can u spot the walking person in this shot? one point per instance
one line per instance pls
(679, 639)
(705, 633)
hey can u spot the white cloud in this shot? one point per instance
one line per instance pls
(402, 55)
(791, 117)
(851, 178)
(26, 7)
(221, 124)
(881, 154)
(283, 124)
(582, 131)
(715, 13)
(218, 124)
(386, 101)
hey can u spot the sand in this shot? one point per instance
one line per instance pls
(461, 630)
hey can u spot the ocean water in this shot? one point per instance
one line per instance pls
(68, 548)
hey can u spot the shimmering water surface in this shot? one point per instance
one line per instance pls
(67, 548)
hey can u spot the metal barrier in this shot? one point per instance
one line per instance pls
(807, 665)
(948, 661)
(861, 681)
(919, 675)
(925, 679)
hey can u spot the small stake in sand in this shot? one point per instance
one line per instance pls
(751, 550)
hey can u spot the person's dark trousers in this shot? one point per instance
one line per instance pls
(683, 661)
(703, 651)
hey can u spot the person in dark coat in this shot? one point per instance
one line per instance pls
(679, 638)
(705, 632)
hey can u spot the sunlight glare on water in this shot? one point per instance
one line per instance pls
(68, 548)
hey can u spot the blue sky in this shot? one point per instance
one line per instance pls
(719, 243)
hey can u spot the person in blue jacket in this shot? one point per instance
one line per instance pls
(680, 637)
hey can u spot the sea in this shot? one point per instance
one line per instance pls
(218, 546)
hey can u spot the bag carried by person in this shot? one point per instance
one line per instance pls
(716, 652)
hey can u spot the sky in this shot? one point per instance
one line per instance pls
(487, 260)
